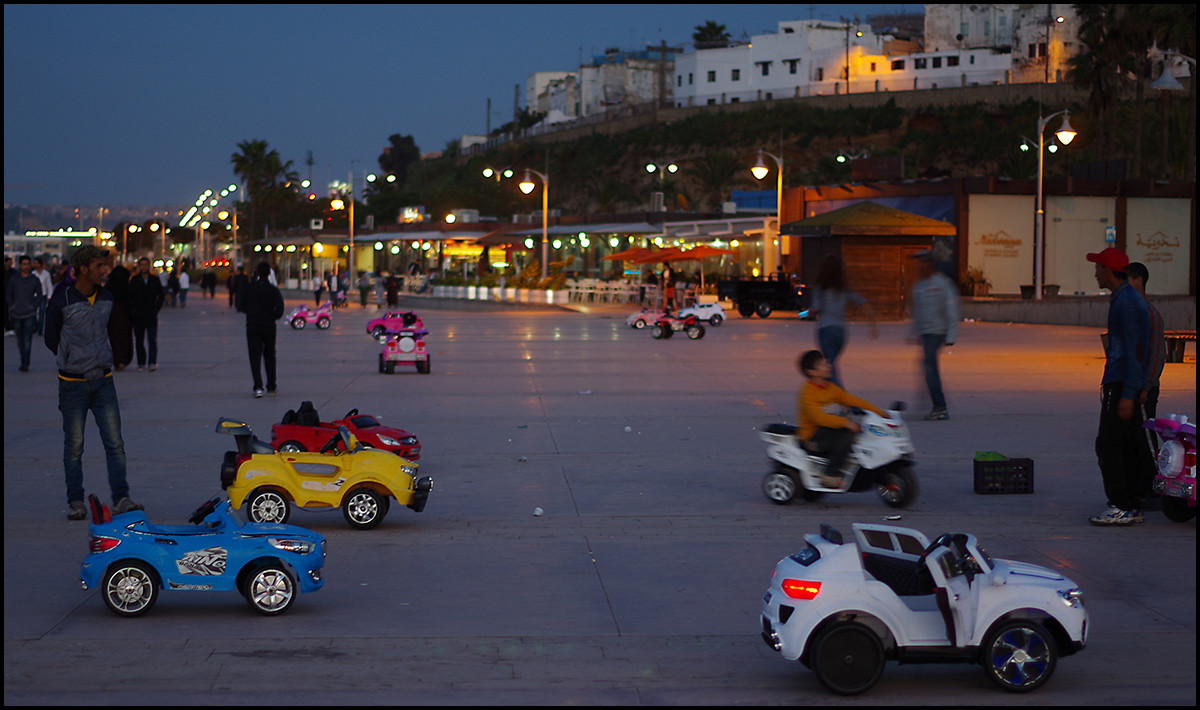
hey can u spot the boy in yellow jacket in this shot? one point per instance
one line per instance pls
(819, 411)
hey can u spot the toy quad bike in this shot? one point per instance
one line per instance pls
(302, 315)
(667, 325)
(403, 342)
(1175, 480)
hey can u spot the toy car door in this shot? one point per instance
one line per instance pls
(890, 541)
(953, 592)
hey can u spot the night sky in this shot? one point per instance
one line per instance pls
(145, 104)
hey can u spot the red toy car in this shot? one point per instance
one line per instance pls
(303, 430)
(394, 322)
(667, 324)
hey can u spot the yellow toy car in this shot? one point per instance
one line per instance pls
(343, 474)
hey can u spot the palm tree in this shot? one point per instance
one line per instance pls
(718, 173)
(269, 182)
(710, 35)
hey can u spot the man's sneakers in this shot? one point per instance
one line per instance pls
(76, 510)
(125, 505)
(258, 392)
(1113, 515)
(938, 414)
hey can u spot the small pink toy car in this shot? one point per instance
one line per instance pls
(403, 342)
(303, 315)
(394, 322)
(1175, 480)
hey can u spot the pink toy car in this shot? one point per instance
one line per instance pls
(394, 322)
(303, 315)
(404, 342)
(1176, 477)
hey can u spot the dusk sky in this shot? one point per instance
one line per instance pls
(145, 104)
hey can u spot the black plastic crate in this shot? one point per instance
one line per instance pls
(1007, 476)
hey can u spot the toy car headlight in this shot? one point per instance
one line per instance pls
(408, 470)
(388, 441)
(287, 544)
(1072, 597)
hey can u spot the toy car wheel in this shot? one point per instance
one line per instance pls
(779, 487)
(323, 324)
(716, 320)
(897, 486)
(639, 324)
(1019, 656)
(267, 506)
(389, 367)
(695, 332)
(290, 446)
(130, 588)
(658, 332)
(364, 508)
(848, 658)
(269, 589)
(298, 323)
(1177, 510)
(423, 366)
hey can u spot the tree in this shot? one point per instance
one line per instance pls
(718, 173)
(710, 35)
(272, 186)
(400, 153)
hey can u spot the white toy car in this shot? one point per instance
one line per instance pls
(643, 318)
(843, 609)
(712, 313)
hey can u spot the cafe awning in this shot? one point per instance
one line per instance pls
(868, 219)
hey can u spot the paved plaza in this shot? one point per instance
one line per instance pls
(641, 583)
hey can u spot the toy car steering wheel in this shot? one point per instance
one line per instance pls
(351, 413)
(204, 511)
(332, 443)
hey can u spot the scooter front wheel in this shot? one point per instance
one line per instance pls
(779, 487)
(897, 486)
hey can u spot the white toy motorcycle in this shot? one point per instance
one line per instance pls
(879, 457)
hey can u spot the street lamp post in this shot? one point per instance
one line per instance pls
(662, 171)
(760, 171)
(1065, 135)
(527, 186)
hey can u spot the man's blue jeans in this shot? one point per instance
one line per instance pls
(74, 400)
(25, 327)
(832, 339)
(933, 379)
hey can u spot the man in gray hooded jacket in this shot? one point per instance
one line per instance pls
(77, 332)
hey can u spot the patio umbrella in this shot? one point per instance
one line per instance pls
(656, 257)
(697, 253)
(628, 254)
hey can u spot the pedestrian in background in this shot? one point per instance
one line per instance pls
(263, 305)
(146, 298)
(185, 283)
(9, 272)
(1120, 440)
(830, 298)
(77, 333)
(236, 284)
(120, 323)
(318, 287)
(40, 271)
(935, 317)
(1156, 359)
(22, 294)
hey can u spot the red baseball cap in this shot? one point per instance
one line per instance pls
(1111, 257)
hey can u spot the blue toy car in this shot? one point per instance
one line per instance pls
(131, 559)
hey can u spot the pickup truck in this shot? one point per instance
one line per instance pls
(762, 296)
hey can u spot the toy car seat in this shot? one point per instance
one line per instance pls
(100, 512)
(289, 417)
(307, 415)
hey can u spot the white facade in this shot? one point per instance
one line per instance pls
(964, 45)
(535, 85)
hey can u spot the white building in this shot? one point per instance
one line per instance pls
(964, 45)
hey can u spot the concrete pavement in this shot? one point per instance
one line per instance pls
(641, 583)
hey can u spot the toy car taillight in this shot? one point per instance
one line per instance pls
(99, 543)
(800, 589)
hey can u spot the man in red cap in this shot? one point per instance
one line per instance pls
(1118, 440)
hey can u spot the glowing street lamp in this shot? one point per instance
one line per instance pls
(527, 185)
(1065, 135)
(760, 171)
